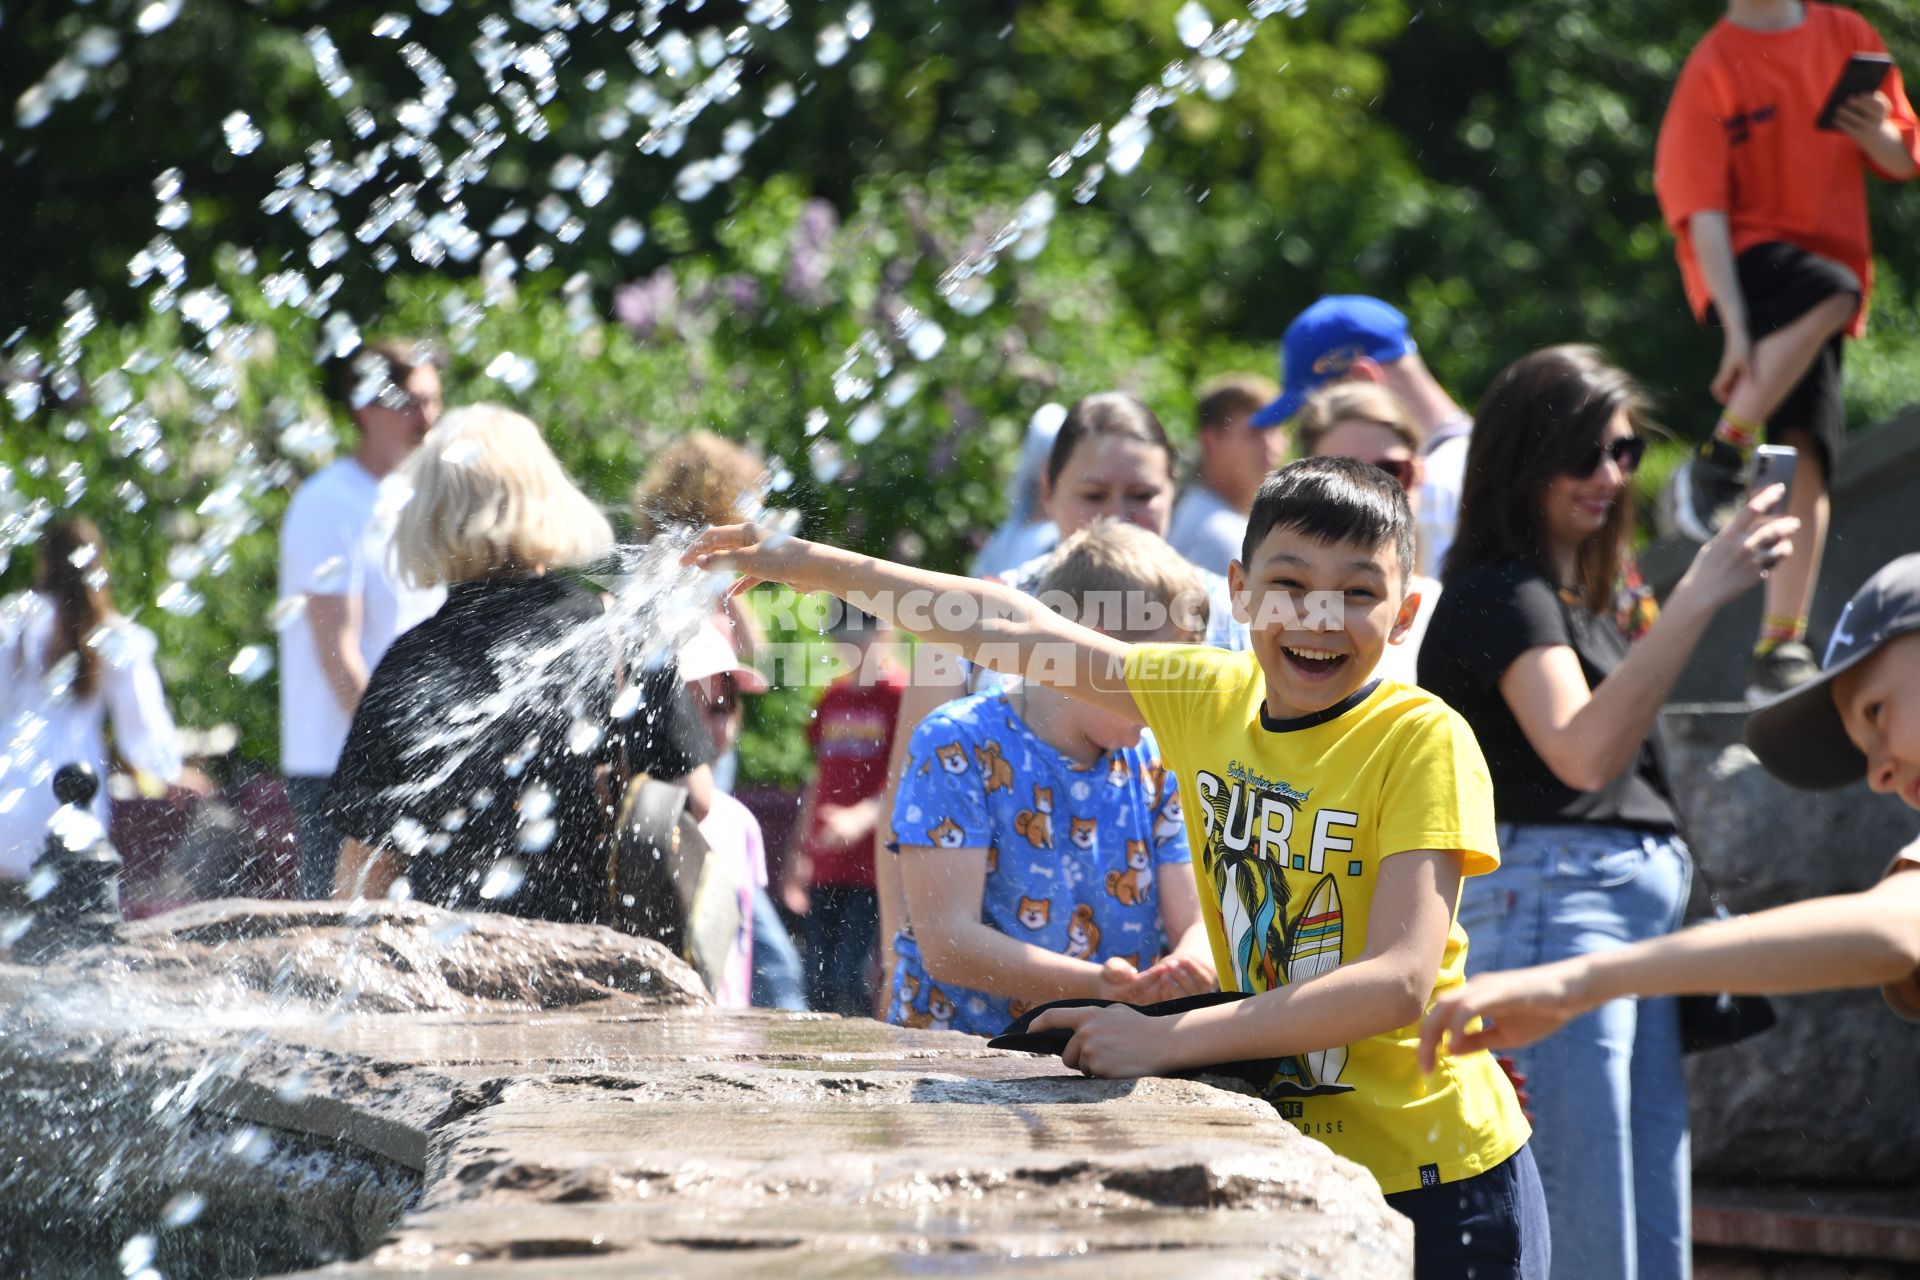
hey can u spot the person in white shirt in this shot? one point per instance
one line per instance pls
(1354, 338)
(1367, 422)
(1210, 520)
(69, 665)
(337, 583)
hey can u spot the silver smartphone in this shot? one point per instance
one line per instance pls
(1774, 464)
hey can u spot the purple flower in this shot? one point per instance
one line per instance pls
(807, 260)
(646, 305)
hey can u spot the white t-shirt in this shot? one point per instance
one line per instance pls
(1400, 661)
(331, 545)
(1206, 529)
(45, 724)
(1440, 492)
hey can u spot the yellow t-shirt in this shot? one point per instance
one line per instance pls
(1289, 822)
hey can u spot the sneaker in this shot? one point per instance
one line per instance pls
(1779, 669)
(1708, 488)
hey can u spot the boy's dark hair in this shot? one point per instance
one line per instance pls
(1105, 413)
(1232, 396)
(1333, 500)
(1542, 416)
(401, 356)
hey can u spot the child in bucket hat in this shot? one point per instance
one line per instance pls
(1859, 719)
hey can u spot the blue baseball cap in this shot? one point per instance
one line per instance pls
(1323, 342)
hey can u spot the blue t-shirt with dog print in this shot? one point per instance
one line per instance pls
(1074, 852)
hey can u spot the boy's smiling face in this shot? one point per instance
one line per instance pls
(1317, 649)
(1879, 703)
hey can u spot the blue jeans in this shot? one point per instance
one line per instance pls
(1609, 1100)
(842, 926)
(1492, 1226)
(319, 839)
(777, 980)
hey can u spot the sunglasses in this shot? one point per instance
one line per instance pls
(1626, 453)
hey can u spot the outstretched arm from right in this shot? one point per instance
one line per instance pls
(993, 625)
(1848, 940)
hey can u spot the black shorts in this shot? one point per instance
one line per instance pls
(1782, 282)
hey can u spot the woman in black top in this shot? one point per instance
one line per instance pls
(1524, 645)
(494, 737)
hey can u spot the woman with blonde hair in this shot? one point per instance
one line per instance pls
(487, 733)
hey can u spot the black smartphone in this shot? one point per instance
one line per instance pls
(1864, 73)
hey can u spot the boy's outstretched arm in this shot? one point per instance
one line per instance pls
(1387, 986)
(1848, 940)
(993, 625)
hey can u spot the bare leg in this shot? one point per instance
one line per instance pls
(1789, 586)
(1783, 357)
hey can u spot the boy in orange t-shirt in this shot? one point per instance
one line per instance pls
(1770, 213)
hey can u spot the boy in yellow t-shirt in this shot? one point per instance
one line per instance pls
(1332, 818)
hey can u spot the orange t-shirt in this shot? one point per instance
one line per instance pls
(1739, 137)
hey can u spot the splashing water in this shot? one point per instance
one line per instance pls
(380, 188)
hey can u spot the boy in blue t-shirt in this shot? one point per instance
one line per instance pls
(1041, 842)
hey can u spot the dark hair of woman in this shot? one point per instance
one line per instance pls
(1543, 417)
(1105, 413)
(72, 571)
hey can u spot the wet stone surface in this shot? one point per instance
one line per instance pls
(503, 1098)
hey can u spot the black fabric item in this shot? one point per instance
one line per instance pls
(1781, 282)
(1488, 616)
(1256, 1072)
(1716, 1021)
(470, 714)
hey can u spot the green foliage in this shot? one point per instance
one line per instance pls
(1486, 167)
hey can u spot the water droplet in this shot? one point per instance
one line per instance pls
(924, 337)
(1058, 166)
(831, 45)
(626, 703)
(243, 136)
(452, 931)
(295, 1088)
(250, 664)
(1193, 24)
(516, 371)
(823, 457)
(780, 100)
(584, 736)
(157, 16)
(391, 26)
(287, 612)
(859, 20)
(866, 425)
(332, 575)
(42, 882)
(1089, 185)
(503, 880)
(138, 1253)
(1127, 143)
(771, 14)
(184, 1209)
(626, 236)
(1086, 141)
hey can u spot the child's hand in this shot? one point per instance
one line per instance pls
(757, 554)
(1515, 1009)
(845, 825)
(1119, 980)
(1177, 975)
(1736, 363)
(1863, 117)
(1116, 1041)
